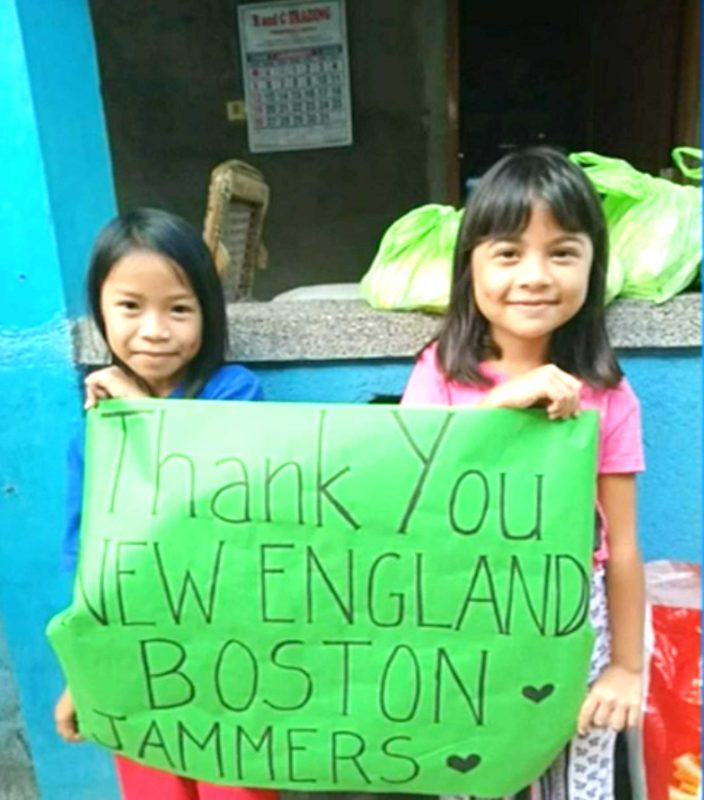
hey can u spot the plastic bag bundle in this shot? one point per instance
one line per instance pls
(413, 266)
(655, 227)
(665, 753)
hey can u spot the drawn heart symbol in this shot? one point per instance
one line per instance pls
(464, 764)
(538, 695)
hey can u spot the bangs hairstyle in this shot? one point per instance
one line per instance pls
(180, 243)
(500, 206)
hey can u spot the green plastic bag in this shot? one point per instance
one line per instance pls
(654, 226)
(413, 266)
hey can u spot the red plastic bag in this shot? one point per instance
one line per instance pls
(669, 762)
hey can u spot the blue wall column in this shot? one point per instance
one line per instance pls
(56, 192)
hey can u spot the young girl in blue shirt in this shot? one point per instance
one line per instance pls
(157, 300)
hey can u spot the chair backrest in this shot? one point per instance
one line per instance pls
(238, 198)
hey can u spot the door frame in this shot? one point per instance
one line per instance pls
(452, 69)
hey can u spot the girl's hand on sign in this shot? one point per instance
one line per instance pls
(65, 718)
(614, 701)
(110, 382)
(547, 386)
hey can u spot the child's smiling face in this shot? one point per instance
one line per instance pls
(153, 320)
(530, 285)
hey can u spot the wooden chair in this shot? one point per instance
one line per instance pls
(238, 198)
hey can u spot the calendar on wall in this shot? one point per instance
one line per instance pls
(296, 75)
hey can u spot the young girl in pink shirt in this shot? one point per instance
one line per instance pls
(525, 328)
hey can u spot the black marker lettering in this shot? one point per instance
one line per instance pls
(516, 575)
(346, 605)
(404, 678)
(536, 531)
(265, 570)
(269, 477)
(236, 675)
(265, 741)
(187, 584)
(159, 650)
(421, 620)
(414, 765)
(581, 611)
(426, 461)
(119, 573)
(481, 570)
(158, 741)
(397, 615)
(321, 486)
(338, 738)
(213, 736)
(123, 415)
(346, 646)
(292, 749)
(469, 530)
(100, 614)
(307, 680)
(241, 486)
(113, 719)
(161, 462)
(475, 702)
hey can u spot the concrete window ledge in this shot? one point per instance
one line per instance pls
(329, 330)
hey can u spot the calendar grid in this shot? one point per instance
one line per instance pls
(297, 97)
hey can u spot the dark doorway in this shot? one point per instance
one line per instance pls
(518, 85)
(615, 78)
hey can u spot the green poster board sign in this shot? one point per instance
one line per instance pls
(353, 598)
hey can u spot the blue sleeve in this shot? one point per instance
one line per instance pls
(74, 496)
(232, 382)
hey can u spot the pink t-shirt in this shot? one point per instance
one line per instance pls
(620, 439)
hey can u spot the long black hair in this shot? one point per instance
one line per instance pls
(180, 243)
(500, 206)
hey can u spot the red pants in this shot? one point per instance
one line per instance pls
(138, 782)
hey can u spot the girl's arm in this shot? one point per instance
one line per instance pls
(548, 385)
(615, 698)
(110, 382)
(65, 718)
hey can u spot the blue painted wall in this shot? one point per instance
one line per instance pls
(61, 64)
(56, 191)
